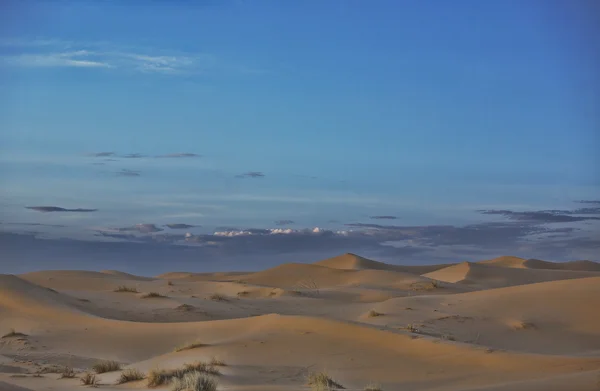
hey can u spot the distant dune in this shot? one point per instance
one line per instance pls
(504, 324)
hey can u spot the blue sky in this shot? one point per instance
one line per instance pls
(344, 110)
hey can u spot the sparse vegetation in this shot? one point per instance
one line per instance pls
(89, 379)
(412, 328)
(194, 381)
(373, 387)
(309, 285)
(188, 346)
(67, 373)
(106, 366)
(243, 293)
(123, 288)
(170, 283)
(448, 337)
(13, 334)
(320, 381)
(218, 297)
(525, 326)
(130, 374)
(185, 307)
(158, 377)
(217, 362)
(425, 285)
(152, 295)
(373, 314)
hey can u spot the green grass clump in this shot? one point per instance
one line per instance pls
(106, 366)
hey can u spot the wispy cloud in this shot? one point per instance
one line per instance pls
(128, 173)
(384, 217)
(58, 209)
(251, 174)
(37, 53)
(179, 155)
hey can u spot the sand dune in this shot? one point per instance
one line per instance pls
(351, 261)
(520, 263)
(491, 276)
(360, 320)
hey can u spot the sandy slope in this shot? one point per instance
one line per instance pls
(273, 327)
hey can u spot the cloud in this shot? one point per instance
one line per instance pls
(251, 174)
(133, 156)
(179, 155)
(77, 59)
(128, 173)
(544, 216)
(101, 154)
(103, 55)
(58, 209)
(589, 202)
(179, 226)
(284, 222)
(384, 217)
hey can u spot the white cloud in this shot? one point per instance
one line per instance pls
(56, 53)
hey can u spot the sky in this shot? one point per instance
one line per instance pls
(240, 134)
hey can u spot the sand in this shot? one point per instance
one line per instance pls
(502, 324)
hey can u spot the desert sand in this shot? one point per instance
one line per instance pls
(495, 325)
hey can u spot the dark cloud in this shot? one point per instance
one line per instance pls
(58, 209)
(179, 155)
(585, 211)
(544, 216)
(128, 173)
(383, 217)
(101, 154)
(284, 222)
(251, 174)
(589, 202)
(180, 226)
(38, 224)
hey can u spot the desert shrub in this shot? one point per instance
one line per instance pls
(218, 297)
(89, 379)
(320, 381)
(217, 362)
(106, 366)
(123, 288)
(188, 346)
(67, 373)
(373, 387)
(158, 377)
(373, 314)
(194, 381)
(152, 295)
(130, 374)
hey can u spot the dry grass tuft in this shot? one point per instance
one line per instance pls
(525, 326)
(170, 283)
(130, 374)
(243, 294)
(67, 373)
(217, 362)
(185, 307)
(218, 297)
(411, 327)
(373, 387)
(152, 295)
(106, 366)
(12, 334)
(89, 379)
(194, 381)
(320, 381)
(123, 288)
(373, 314)
(159, 377)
